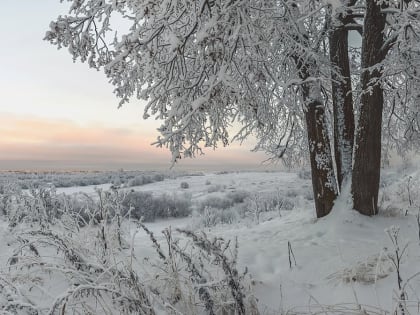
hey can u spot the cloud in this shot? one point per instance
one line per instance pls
(44, 139)
(34, 139)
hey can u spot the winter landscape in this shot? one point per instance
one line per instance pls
(197, 243)
(219, 157)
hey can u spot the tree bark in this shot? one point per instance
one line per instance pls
(366, 169)
(324, 183)
(342, 100)
(323, 180)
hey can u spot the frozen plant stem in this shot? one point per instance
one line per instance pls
(410, 201)
(291, 254)
(393, 233)
(418, 222)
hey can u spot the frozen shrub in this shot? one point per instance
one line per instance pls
(184, 185)
(214, 202)
(145, 205)
(28, 180)
(304, 174)
(258, 203)
(158, 177)
(410, 191)
(136, 181)
(391, 211)
(213, 216)
(97, 269)
(221, 206)
(238, 196)
(208, 182)
(94, 280)
(40, 206)
(8, 193)
(215, 188)
(308, 194)
(174, 205)
(140, 205)
(215, 285)
(367, 272)
(97, 284)
(292, 193)
(140, 180)
(286, 204)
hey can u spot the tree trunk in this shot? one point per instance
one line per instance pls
(323, 179)
(342, 101)
(366, 169)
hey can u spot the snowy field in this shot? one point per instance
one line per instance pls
(345, 263)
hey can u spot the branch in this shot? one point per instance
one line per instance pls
(389, 43)
(355, 27)
(355, 15)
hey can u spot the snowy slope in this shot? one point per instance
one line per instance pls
(340, 259)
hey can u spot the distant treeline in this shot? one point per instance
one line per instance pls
(26, 180)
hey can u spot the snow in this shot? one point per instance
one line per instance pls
(88, 189)
(322, 248)
(341, 259)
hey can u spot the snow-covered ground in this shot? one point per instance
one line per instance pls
(202, 185)
(299, 263)
(342, 258)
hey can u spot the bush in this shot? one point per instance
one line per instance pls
(185, 185)
(215, 188)
(145, 205)
(256, 204)
(292, 193)
(308, 194)
(304, 174)
(214, 216)
(158, 177)
(100, 276)
(214, 202)
(238, 196)
(27, 180)
(140, 180)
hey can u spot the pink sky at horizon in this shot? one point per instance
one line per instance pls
(54, 112)
(69, 145)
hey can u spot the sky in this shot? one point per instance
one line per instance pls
(56, 114)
